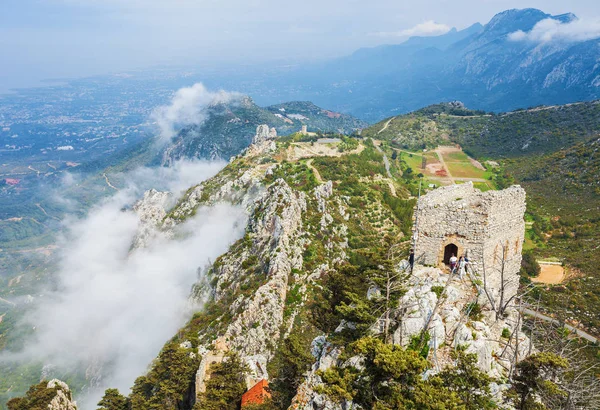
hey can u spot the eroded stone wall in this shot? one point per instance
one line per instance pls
(504, 243)
(488, 226)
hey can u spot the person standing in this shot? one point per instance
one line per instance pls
(453, 260)
(462, 264)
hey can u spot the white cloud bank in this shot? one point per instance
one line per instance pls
(188, 106)
(427, 28)
(553, 30)
(112, 309)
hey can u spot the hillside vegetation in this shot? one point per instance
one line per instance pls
(354, 230)
(553, 153)
(563, 192)
(540, 130)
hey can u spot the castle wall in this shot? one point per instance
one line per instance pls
(447, 215)
(506, 234)
(487, 225)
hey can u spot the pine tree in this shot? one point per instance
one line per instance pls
(225, 387)
(113, 400)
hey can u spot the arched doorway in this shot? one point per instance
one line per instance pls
(449, 250)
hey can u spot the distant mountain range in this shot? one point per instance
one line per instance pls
(495, 67)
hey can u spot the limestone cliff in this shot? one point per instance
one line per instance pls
(62, 400)
(303, 229)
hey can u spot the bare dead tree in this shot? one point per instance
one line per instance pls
(485, 289)
(505, 283)
(580, 381)
(392, 287)
(391, 280)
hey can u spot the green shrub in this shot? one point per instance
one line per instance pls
(437, 290)
(474, 310)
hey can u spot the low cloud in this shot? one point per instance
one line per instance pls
(112, 309)
(427, 28)
(188, 106)
(553, 30)
(176, 178)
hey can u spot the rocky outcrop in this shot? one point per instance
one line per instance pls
(151, 210)
(263, 142)
(307, 398)
(274, 236)
(62, 400)
(271, 250)
(450, 322)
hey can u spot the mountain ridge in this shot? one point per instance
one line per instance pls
(479, 65)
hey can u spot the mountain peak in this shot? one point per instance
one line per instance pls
(512, 20)
(566, 17)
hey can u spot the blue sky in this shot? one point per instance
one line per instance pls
(71, 38)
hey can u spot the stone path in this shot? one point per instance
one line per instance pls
(315, 170)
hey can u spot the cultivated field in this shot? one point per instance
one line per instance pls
(448, 165)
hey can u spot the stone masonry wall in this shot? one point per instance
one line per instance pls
(489, 226)
(449, 215)
(505, 237)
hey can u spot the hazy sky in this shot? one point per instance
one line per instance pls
(54, 38)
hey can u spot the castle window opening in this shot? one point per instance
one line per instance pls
(449, 250)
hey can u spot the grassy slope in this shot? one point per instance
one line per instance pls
(564, 202)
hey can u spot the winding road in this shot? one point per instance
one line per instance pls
(386, 161)
(108, 182)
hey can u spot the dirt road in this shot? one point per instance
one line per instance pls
(387, 124)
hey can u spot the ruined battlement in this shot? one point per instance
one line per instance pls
(488, 227)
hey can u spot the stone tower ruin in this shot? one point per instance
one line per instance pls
(488, 227)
